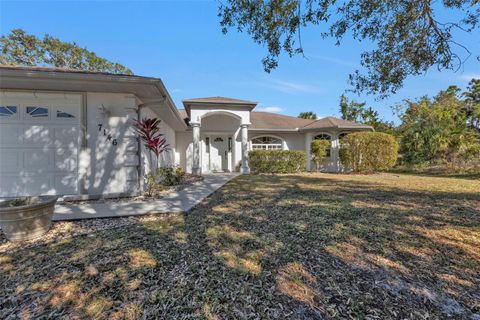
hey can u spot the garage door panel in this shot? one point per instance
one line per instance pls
(66, 137)
(38, 160)
(38, 134)
(67, 183)
(27, 185)
(66, 160)
(10, 160)
(10, 135)
(39, 148)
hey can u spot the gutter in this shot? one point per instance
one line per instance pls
(91, 78)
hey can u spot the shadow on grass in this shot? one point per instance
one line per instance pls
(300, 247)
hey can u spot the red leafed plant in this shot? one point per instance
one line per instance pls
(149, 132)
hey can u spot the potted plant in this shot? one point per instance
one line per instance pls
(26, 218)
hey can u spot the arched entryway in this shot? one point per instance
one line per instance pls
(218, 152)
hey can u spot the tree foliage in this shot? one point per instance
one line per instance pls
(409, 37)
(472, 104)
(308, 115)
(319, 151)
(359, 112)
(21, 49)
(439, 130)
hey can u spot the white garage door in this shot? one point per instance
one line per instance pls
(39, 143)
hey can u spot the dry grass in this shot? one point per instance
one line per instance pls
(387, 246)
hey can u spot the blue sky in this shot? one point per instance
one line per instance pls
(181, 42)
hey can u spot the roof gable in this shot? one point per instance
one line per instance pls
(218, 100)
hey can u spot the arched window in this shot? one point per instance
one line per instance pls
(324, 136)
(267, 143)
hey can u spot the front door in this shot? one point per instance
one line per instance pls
(219, 153)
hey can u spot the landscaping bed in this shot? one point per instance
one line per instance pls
(305, 246)
(187, 180)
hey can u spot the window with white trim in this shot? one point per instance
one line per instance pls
(327, 137)
(62, 114)
(267, 143)
(37, 112)
(8, 111)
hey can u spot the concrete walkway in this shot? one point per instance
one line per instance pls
(180, 201)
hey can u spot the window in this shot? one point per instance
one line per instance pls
(207, 144)
(324, 136)
(37, 112)
(61, 114)
(8, 111)
(267, 143)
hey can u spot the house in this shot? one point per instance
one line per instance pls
(69, 132)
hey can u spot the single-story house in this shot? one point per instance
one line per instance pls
(69, 132)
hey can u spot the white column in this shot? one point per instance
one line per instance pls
(308, 151)
(244, 133)
(196, 170)
(335, 151)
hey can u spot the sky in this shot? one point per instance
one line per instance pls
(181, 42)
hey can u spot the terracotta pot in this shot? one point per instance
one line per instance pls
(26, 218)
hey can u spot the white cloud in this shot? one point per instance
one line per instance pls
(291, 86)
(469, 76)
(273, 109)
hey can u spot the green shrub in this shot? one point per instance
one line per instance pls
(368, 151)
(319, 150)
(170, 176)
(277, 161)
(152, 187)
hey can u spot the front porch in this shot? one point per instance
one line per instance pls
(219, 134)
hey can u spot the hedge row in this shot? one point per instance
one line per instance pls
(277, 161)
(368, 151)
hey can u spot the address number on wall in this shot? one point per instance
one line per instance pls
(107, 135)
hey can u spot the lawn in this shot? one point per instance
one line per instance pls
(387, 246)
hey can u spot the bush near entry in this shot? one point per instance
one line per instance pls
(319, 150)
(277, 161)
(368, 151)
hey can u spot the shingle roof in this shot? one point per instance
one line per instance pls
(336, 123)
(274, 121)
(219, 100)
(268, 120)
(65, 70)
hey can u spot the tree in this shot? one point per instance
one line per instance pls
(472, 104)
(20, 48)
(319, 151)
(352, 110)
(437, 131)
(308, 115)
(359, 112)
(409, 37)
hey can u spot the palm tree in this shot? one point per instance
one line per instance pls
(308, 115)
